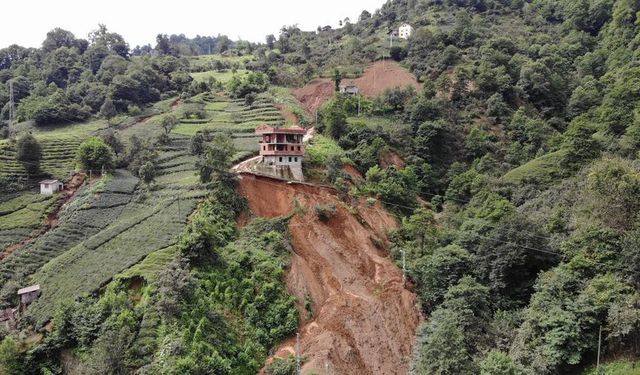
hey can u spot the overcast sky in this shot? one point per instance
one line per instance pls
(26, 22)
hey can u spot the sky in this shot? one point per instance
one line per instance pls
(139, 21)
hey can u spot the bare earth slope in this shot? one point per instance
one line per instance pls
(363, 320)
(378, 77)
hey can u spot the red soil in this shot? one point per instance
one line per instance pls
(364, 320)
(383, 75)
(378, 77)
(314, 94)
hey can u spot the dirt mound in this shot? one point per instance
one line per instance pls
(383, 75)
(314, 94)
(363, 320)
(378, 77)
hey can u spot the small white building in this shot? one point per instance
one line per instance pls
(405, 30)
(349, 89)
(50, 186)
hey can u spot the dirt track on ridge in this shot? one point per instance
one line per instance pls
(363, 320)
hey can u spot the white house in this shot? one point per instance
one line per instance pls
(405, 31)
(50, 186)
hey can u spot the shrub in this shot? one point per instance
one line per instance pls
(325, 211)
(29, 152)
(94, 154)
(282, 366)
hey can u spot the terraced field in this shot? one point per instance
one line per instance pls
(59, 145)
(21, 215)
(124, 222)
(117, 226)
(232, 116)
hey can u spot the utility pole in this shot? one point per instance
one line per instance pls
(404, 268)
(599, 342)
(12, 108)
(358, 105)
(179, 214)
(298, 353)
(391, 40)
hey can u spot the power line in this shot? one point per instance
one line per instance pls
(528, 248)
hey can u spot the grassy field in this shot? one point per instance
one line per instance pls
(205, 62)
(221, 76)
(622, 367)
(544, 169)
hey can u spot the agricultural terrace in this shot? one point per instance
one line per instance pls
(119, 211)
(21, 215)
(218, 114)
(60, 142)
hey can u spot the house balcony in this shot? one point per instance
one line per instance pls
(287, 152)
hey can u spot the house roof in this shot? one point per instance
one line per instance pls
(267, 129)
(29, 289)
(49, 181)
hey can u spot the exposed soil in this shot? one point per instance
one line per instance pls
(289, 116)
(70, 189)
(314, 94)
(363, 319)
(378, 77)
(383, 75)
(391, 158)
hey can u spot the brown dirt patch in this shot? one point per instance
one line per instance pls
(378, 77)
(383, 75)
(314, 94)
(391, 158)
(364, 320)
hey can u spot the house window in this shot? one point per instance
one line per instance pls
(289, 159)
(280, 159)
(296, 159)
(264, 148)
(298, 148)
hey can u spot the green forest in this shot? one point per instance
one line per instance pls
(516, 197)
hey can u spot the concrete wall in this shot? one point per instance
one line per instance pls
(281, 161)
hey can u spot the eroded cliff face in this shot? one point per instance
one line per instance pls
(362, 319)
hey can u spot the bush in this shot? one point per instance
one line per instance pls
(29, 152)
(325, 211)
(94, 154)
(282, 366)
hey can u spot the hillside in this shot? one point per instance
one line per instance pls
(356, 315)
(492, 156)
